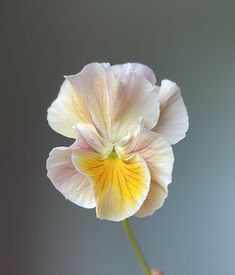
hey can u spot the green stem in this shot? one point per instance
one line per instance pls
(139, 254)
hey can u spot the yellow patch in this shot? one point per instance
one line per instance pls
(120, 185)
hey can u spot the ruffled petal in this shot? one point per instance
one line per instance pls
(96, 96)
(137, 101)
(173, 120)
(68, 109)
(123, 70)
(120, 185)
(64, 176)
(159, 157)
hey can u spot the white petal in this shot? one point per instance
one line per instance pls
(96, 96)
(64, 176)
(173, 120)
(137, 100)
(159, 157)
(114, 106)
(124, 69)
(68, 109)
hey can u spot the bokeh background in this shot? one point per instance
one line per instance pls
(190, 42)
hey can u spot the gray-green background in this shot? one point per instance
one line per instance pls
(190, 42)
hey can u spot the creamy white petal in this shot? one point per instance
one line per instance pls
(96, 96)
(71, 183)
(115, 106)
(173, 120)
(120, 185)
(123, 70)
(138, 101)
(155, 200)
(159, 157)
(68, 109)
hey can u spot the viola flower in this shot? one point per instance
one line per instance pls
(123, 125)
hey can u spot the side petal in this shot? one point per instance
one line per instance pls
(64, 176)
(89, 139)
(159, 157)
(120, 186)
(124, 69)
(173, 120)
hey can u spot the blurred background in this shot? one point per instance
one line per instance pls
(189, 42)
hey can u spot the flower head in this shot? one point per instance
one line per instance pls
(123, 125)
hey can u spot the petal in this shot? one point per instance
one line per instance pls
(159, 157)
(139, 102)
(113, 105)
(129, 140)
(155, 200)
(89, 139)
(120, 186)
(124, 69)
(64, 176)
(96, 96)
(173, 120)
(68, 109)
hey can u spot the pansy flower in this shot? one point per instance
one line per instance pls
(123, 126)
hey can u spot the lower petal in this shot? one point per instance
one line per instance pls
(155, 199)
(120, 185)
(64, 176)
(159, 157)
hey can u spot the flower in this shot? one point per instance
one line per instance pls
(123, 125)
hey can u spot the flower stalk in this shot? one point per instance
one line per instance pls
(136, 247)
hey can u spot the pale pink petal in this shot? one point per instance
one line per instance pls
(138, 102)
(115, 106)
(159, 157)
(173, 120)
(96, 96)
(64, 176)
(68, 109)
(124, 69)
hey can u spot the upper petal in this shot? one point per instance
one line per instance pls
(173, 120)
(68, 109)
(97, 96)
(159, 157)
(120, 186)
(136, 101)
(64, 176)
(123, 70)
